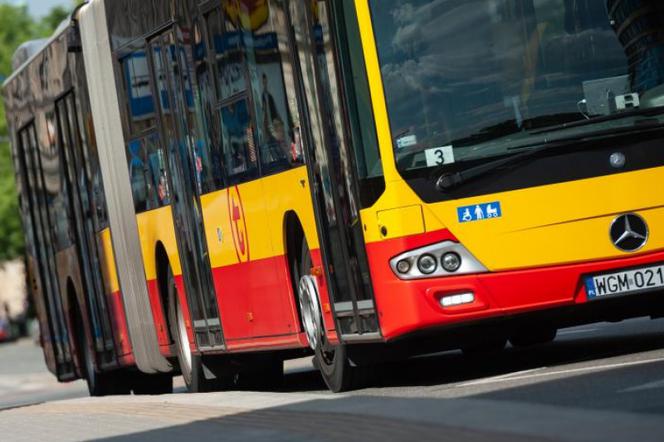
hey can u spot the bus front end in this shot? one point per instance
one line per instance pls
(521, 144)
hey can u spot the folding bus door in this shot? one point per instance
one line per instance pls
(328, 149)
(78, 189)
(55, 326)
(172, 78)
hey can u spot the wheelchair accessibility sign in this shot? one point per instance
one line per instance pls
(479, 212)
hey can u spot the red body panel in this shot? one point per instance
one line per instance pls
(256, 300)
(259, 311)
(159, 316)
(406, 306)
(257, 305)
(179, 286)
(119, 323)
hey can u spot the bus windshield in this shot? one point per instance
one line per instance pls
(472, 79)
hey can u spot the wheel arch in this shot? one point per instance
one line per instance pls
(163, 263)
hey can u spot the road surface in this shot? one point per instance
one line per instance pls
(602, 382)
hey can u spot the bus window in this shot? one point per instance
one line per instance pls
(270, 72)
(139, 93)
(145, 155)
(55, 184)
(212, 174)
(360, 114)
(238, 142)
(137, 171)
(227, 43)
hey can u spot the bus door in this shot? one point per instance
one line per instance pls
(332, 180)
(54, 328)
(36, 284)
(171, 67)
(79, 187)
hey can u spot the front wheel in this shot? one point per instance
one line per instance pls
(337, 371)
(331, 360)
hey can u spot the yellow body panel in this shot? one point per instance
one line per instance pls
(289, 191)
(265, 203)
(153, 227)
(560, 223)
(546, 225)
(405, 220)
(109, 271)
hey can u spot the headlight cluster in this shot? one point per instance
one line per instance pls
(442, 259)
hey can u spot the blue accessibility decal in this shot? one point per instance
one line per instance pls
(479, 212)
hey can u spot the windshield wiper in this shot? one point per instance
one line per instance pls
(637, 112)
(451, 180)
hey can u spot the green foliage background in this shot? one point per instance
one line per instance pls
(16, 27)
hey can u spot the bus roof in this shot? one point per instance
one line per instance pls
(29, 50)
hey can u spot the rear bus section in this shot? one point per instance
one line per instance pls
(523, 163)
(71, 263)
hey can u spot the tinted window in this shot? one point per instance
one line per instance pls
(145, 154)
(55, 182)
(257, 107)
(238, 141)
(468, 79)
(210, 158)
(140, 100)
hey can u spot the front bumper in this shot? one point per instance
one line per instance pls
(405, 307)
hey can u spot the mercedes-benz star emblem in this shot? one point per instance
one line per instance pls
(629, 233)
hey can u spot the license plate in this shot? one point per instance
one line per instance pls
(628, 281)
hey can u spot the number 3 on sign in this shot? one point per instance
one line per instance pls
(437, 156)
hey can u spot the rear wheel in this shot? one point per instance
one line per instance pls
(99, 383)
(533, 336)
(331, 360)
(266, 372)
(196, 377)
(152, 384)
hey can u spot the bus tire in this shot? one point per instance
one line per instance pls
(152, 384)
(266, 373)
(99, 383)
(178, 330)
(531, 336)
(191, 365)
(331, 360)
(338, 373)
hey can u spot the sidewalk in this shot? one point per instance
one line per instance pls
(317, 417)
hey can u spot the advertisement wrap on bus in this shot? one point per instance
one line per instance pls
(228, 184)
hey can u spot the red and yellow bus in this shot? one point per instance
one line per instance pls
(367, 179)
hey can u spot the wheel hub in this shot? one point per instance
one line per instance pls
(184, 339)
(310, 308)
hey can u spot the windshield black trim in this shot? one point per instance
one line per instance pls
(643, 150)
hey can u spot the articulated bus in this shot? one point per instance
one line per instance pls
(212, 187)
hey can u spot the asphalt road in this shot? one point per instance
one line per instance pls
(24, 379)
(600, 382)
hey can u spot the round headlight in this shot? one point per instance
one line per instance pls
(427, 264)
(403, 266)
(451, 262)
